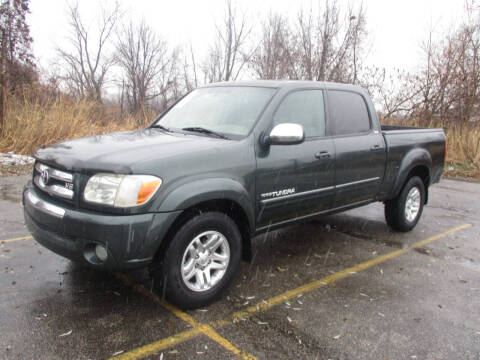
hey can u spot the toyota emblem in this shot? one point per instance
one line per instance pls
(45, 177)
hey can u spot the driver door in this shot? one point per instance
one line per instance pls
(294, 181)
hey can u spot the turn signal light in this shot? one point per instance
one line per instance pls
(147, 190)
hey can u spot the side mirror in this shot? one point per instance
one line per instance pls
(285, 134)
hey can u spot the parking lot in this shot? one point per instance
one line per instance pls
(341, 287)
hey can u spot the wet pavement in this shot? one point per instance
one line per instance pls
(397, 298)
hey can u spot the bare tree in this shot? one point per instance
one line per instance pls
(323, 45)
(189, 66)
(228, 55)
(446, 89)
(330, 43)
(87, 64)
(15, 58)
(147, 63)
(273, 58)
(169, 86)
(395, 92)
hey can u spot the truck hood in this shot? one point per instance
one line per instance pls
(118, 152)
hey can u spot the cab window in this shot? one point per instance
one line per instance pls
(303, 107)
(348, 112)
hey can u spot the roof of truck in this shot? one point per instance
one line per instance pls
(289, 84)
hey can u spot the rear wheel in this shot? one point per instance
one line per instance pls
(403, 212)
(200, 261)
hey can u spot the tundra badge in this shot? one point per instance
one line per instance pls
(278, 193)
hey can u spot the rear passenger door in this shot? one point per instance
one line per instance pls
(360, 150)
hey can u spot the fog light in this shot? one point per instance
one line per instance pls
(101, 252)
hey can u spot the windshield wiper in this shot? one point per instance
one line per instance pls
(158, 126)
(205, 131)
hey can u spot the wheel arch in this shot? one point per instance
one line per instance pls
(417, 162)
(224, 205)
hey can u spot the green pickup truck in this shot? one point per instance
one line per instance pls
(226, 162)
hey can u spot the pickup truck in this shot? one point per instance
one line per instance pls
(226, 162)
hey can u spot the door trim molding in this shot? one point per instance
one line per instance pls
(292, 196)
(272, 226)
(316, 191)
(341, 186)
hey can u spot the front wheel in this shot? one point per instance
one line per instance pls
(403, 212)
(200, 261)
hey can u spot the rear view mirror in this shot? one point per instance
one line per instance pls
(286, 134)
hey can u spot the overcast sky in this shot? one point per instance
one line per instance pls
(396, 27)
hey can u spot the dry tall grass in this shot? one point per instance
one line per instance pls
(463, 151)
(463, 146)
(43, 120)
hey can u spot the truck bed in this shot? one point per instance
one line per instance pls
(401, 140)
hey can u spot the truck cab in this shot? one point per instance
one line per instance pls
(339, 164)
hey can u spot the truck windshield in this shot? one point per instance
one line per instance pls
(230, 111)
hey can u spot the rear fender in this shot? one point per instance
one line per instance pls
(415, 157)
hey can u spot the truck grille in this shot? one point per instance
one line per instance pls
(56, 183)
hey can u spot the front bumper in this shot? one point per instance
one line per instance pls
(130, 241)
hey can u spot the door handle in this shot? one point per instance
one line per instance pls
(375, 147)
(322, 155)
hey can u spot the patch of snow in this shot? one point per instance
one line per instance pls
(11, 158)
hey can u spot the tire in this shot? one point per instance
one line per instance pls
(185, 248)
(396, 210)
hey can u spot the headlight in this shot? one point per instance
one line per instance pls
(121, 190)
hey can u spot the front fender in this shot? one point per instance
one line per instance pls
(415, 157)
(198, 191)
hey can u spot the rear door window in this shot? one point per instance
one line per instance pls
(303, 107)
(348, 112)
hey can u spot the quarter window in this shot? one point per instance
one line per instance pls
(303, 107)
(348, 112)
